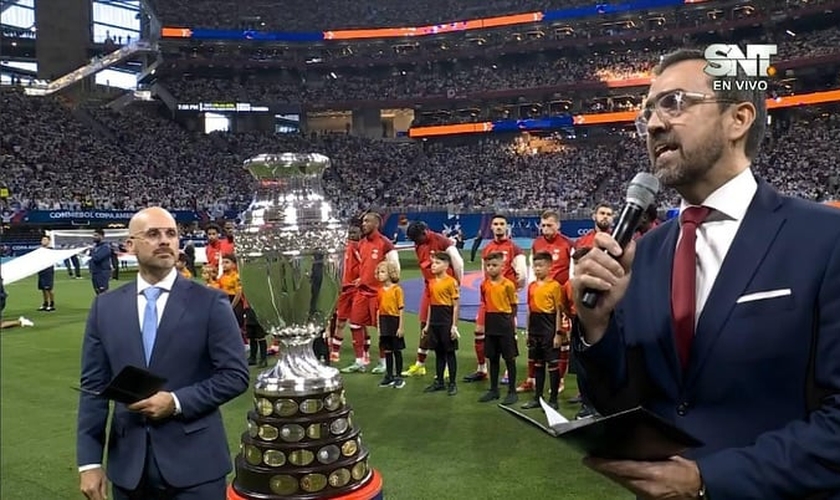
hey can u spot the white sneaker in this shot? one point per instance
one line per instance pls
(25, 322)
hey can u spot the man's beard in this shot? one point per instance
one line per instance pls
(692, 164)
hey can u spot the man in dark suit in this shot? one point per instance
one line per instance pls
(726, 321)
(173, 444)
(100, 262)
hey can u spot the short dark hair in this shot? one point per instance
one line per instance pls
(100, 232)
(494, 256)
(441, 256)
(415, 230)
(542, 257)
(229, 256)
(214, 227)
(498, 216)
(728, 95)
(601, 205)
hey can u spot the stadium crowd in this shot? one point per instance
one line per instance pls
(50, 159)
(334, 14)
(465, 78)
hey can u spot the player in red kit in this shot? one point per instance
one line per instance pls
(426, 244)
(349, 282)
(373, 249)
(514, 268)
(603, 218)
(216, 246)
(552, 242)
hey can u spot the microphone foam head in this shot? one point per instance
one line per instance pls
(643, 189)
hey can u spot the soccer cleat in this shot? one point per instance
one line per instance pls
(476, 377)
(43, 307)
(335, 357)
(354, 368)
(435, 387)
(50, 308)
(510, 399)
(530, 405)
(452, 390)
(489, 396)
(387, 382)
(526, 386)
(584, 412)
(25, 322)
(399, 383)
(553, 403)
(378, 370)
(415, 371)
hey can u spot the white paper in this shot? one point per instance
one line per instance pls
(34, 261)
(553, 416)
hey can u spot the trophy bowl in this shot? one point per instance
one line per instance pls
(301, 441)
(289, 251)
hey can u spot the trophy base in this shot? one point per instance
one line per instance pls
(371, 491)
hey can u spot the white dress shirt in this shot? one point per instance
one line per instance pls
(729, 204)
(165, 285)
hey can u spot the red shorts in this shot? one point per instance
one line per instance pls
(364, 310)
(345, 304)
(424, 304)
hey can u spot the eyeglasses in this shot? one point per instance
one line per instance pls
(671, 105)
(156, 233)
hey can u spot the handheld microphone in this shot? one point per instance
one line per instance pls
(640, 194)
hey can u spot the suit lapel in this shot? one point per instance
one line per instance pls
(175, 307)
(661, 294)
(128, 312)
(758, 230)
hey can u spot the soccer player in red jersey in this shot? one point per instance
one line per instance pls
(514, 268)
(373, 249)
(603, 218)
(349, 282)
(552, 242)
(426, 244)
(216, 246)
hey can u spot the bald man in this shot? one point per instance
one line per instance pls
(183, 332)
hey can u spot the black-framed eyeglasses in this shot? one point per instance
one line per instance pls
(156, 233)
(671, 104)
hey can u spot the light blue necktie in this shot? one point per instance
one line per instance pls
(150, 320)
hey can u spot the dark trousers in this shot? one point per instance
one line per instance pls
(153, 487)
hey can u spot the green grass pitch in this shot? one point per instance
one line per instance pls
(427, 446)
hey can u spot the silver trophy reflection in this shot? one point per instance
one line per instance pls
(301, 440)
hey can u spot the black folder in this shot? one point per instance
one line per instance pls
(634, 434)
(131, 385)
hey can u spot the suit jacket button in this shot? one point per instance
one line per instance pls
(682, 409)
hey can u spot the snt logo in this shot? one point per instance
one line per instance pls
(722, 60)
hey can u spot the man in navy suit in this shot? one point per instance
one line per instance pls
(725, 321)
(173, 444)
(100, 262)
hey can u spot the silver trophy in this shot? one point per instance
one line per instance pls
(301, 441)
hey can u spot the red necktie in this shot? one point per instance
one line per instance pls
(684, 281)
